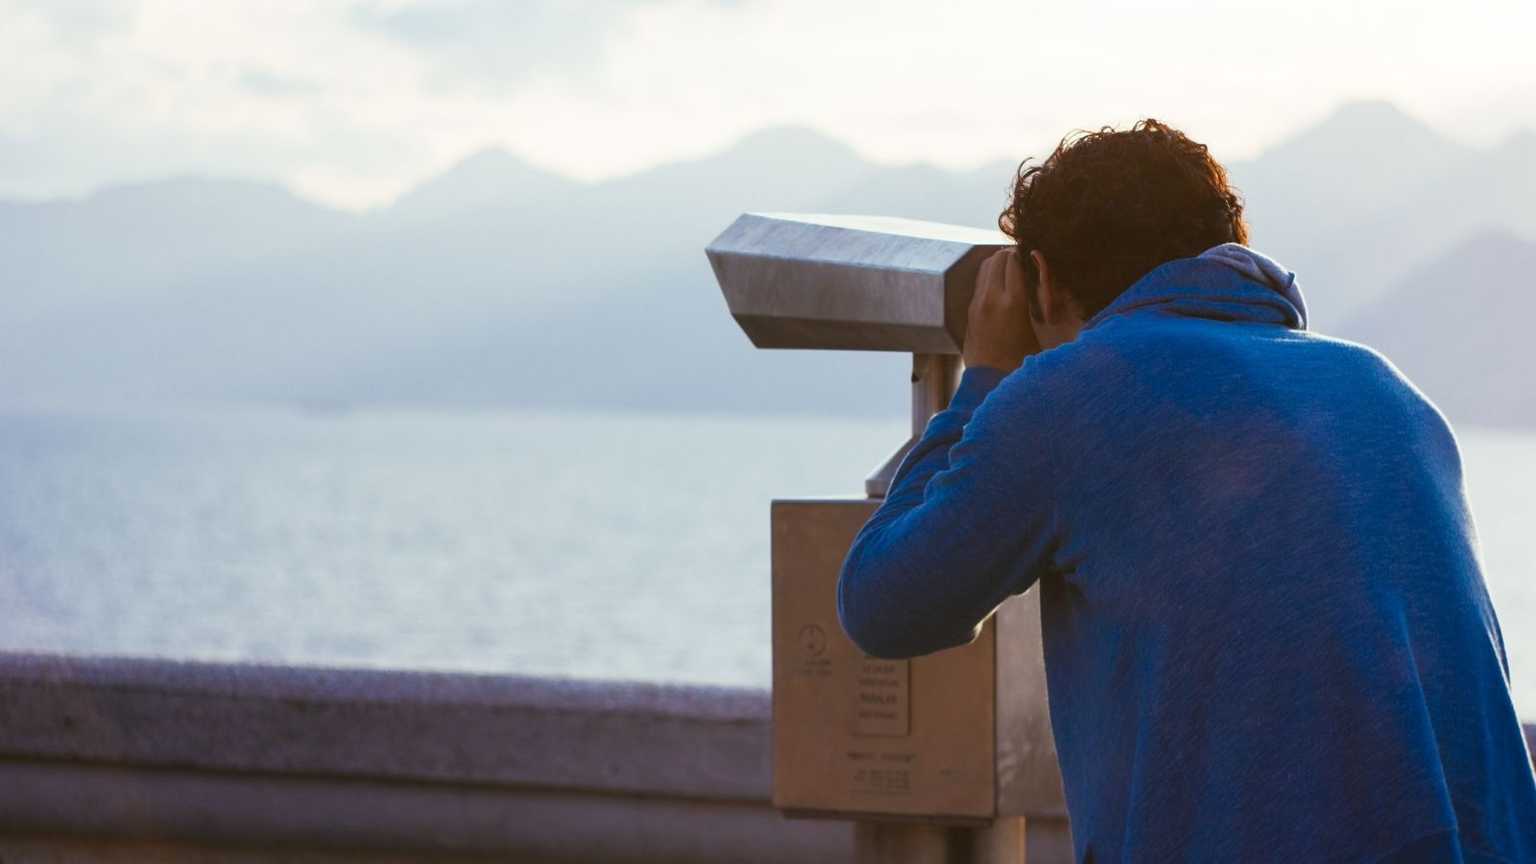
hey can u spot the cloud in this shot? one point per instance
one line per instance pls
(265, 82)
(349, 166)
(355, 100)
(501, 43)
(79, 20)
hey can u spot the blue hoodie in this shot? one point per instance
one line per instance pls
(1266, 632)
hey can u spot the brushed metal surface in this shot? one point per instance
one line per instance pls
(871, 283)
(934, 379)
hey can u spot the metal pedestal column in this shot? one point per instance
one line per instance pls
(934, 378)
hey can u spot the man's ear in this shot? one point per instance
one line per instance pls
(1044, 305)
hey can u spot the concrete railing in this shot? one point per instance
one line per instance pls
(104, 759)
(107, 752)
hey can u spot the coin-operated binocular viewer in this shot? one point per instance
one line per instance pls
(957, 738)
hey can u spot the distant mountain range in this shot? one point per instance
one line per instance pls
(1457, 327)
(499, 284)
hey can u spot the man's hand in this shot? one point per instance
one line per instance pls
(997, 330)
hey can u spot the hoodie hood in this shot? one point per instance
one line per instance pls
(1229, 282)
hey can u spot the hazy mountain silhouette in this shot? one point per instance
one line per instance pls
(125, 238)
(578, 297)
(484, 179)
(1459, 328)
(921, 191)
(1363, 157)
(1356, 203)
(499, 283)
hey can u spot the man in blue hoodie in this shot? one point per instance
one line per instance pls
(1266, 632)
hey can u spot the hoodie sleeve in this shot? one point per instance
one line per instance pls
(969, 521)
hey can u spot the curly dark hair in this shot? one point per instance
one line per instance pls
(1106, 207)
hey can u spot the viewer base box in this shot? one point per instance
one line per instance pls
(957, 737)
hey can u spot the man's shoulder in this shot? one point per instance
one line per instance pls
(1149, 359)
(1362, 366)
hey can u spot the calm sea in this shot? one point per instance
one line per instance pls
(613, 546)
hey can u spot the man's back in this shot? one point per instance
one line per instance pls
(1273, 523)
(1266, 631)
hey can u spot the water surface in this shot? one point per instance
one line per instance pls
(591, 545)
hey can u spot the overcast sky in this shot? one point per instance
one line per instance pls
(351, 101)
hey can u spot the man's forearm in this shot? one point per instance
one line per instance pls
(877, 580)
